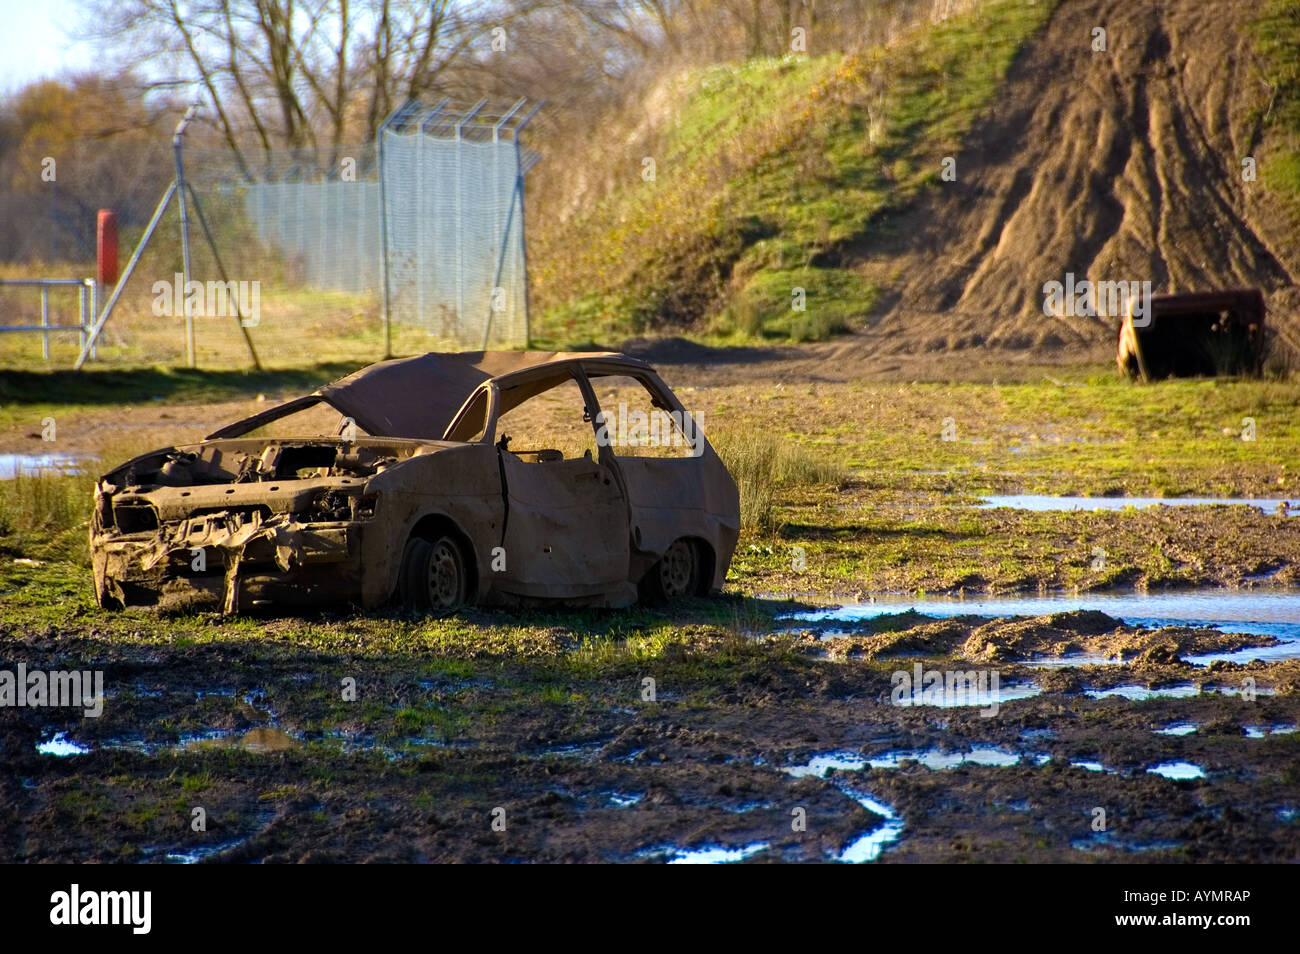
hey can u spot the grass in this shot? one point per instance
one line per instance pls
(859, 476)
(1276, 31)
(764, 466)
(44, 515)
(768, 170)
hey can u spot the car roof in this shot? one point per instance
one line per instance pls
(420, 395)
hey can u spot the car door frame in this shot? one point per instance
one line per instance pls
(654, 521)
(605, 459)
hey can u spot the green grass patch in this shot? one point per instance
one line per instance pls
(1276, 32)
(45, 515)
(767, 169)
(764, 465)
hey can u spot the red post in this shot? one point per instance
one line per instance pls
(106, 247)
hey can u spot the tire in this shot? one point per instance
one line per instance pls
(675, 576)
(433, 574)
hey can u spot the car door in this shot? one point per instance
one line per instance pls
(566, 530)
(654, 445)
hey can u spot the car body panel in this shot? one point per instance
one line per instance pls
(249, 521)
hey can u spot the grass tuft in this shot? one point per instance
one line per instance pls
(763, 465)
(44, 514)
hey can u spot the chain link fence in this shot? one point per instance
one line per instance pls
(453, 186)
(327, 229)
(438, 205)
(310, 235)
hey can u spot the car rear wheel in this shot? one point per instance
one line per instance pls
(433, 574)
(676, 575)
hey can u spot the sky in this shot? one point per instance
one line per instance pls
(35, 43)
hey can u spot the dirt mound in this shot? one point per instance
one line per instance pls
(1116, 165)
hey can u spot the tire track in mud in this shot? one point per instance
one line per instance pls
(1115, 165)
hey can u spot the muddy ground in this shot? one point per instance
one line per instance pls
(536, 736)
(555, 734)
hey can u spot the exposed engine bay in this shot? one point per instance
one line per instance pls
(187, 517)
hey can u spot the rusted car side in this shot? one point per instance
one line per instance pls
(434, 521)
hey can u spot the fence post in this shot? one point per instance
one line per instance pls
(185, 231)
(523, 238)
(383, 241)
(45, 322)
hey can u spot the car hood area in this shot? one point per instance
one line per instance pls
(287, 497)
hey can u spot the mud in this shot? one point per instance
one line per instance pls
(1125, 144)
(743, 733)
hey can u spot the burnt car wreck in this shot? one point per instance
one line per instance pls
(436, 480)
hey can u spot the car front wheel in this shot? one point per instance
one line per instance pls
(433, 574)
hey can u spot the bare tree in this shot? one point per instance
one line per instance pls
(289, 73)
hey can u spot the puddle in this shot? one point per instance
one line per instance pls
(1040, 503)
(1178, 770)
(619, 800)
(1285, 650)
(1178, 728)
(819, 765)
(260, 740)
(584, 751)
(1274, 612)
(61, 746)
(1142, 693)
(982, 698)
(934, 759)
(937, 760)
(1074, 659)
(1182, 691)
(868, 847)
(715, 854)
(195, 855)
(1105, 839)
(1260, 731)
(11, 465)
(265, 740)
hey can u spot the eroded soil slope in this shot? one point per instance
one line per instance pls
(1116, 165)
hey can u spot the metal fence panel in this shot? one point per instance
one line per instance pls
(455, 238)
(330, 229)
(453, 214)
